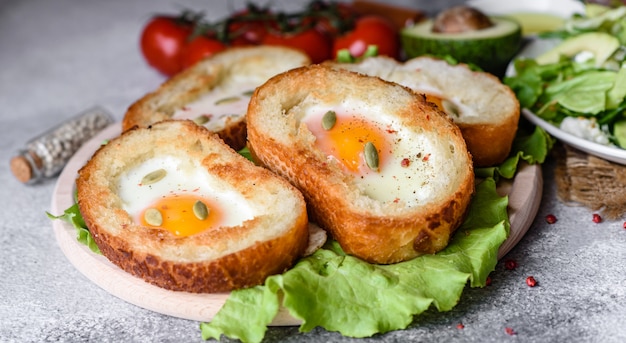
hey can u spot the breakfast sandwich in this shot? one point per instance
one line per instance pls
(174, 205)
(215, 92)
(486, 110)
(385, 172)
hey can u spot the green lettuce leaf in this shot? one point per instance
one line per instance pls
(255, 308)
(72, 216)
(345, 294)
(532, 148)
(585, 93)
(527, 84)
(245, 152)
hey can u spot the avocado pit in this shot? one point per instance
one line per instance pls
(459, 19)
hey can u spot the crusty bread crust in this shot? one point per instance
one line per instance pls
(254, 63)
(489, 131)
(215, 260)
(378, 232)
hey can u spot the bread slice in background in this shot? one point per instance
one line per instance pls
(270, 229)
(233, 73)
(485, 109)
(396, 217)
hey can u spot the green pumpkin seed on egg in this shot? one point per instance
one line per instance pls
(153, 217)
(227, 100)
(201, 119)
(153, 177)
(328, 120)
(200, 210)
(371, 156)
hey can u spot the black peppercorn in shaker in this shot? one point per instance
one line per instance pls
(45, 155)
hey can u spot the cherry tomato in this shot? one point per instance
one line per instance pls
(248, 27)
(199, 48)
(369, 30)
(333, 18)
(247, 34)
(314, 43)
(162, 40)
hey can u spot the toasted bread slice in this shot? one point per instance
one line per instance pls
(252, 224)
(215, 92)
(485, 109)
(401, 201)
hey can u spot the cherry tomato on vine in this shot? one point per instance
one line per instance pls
(199, 48)
(162, 40)
(247, 34)
(333, 18)
(314, 43)
(369, 30)
(248, 27)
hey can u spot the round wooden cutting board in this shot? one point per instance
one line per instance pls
(524, 198)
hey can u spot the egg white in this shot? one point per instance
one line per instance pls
(421, 83)
(411, 184)
(183, 176)
(455, 106)
(219, 114)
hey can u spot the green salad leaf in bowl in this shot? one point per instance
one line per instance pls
(579, 85)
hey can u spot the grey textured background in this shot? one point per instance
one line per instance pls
(59, 57)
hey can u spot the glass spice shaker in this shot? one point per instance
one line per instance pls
(45, 155)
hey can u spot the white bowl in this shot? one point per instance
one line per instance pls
(535, 16)
(559, 8)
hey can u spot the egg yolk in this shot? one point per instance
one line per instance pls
(346, 142)
(178, 217)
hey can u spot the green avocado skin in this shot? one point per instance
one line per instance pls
(491, 54)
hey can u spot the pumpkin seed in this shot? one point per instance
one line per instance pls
(153, 177)
(328, 120)
(201, 119)
(248, 93)
(371, 156)
(227, 100)
(153, 217)
(200, 210)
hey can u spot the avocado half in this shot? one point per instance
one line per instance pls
(491, 48)
(601, 45)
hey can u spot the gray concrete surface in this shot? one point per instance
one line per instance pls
(60, 57)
